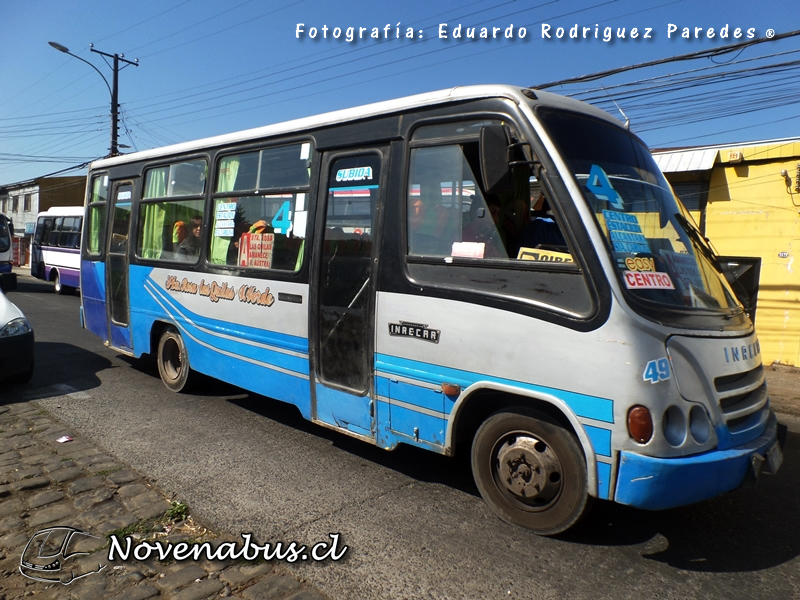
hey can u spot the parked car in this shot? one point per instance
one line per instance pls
(16, 343)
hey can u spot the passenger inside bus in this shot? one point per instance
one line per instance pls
(542, 231)
(190, 246)
(180, 231)
(232, 256)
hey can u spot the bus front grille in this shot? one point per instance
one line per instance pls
(740, 395)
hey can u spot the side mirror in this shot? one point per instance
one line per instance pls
(494, 151)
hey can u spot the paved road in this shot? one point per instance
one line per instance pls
(413, 521)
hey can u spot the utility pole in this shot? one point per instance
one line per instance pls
(113, 90)
(115, 95)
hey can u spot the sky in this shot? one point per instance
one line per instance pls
(207, 67)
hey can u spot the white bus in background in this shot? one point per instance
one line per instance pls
(55, 251)
(6, 252)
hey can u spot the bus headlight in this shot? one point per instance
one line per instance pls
(699, 424)
(674, 426)
(640, 424)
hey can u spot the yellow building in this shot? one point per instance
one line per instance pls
(746, 199)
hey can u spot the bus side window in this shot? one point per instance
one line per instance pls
(448, 214)
(260, 208)
(52, 238)
(162, 208)
(70, 235)
(43, 230)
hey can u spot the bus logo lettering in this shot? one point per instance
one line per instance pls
(739, 353)
(249, 294)
(414, 330)
(185, 286)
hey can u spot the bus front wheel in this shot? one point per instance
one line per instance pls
(173, 361)
(530, 471)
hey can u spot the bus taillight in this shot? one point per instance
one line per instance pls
(640, 424)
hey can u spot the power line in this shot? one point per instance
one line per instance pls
(708, 53)
(209, 102)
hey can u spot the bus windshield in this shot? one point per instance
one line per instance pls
(661, 257)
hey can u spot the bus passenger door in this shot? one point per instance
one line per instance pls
(40, 236)
(343, 304)
(117, 304)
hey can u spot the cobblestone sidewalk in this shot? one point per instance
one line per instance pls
(46, 484)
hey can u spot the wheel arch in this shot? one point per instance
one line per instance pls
(171, 355)
(156, 331)
(482, 399)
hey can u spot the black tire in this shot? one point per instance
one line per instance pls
(530, 471)
(59, 288)
(173, 361)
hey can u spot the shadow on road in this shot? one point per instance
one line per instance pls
(55, 373)
(416, 463)
(746, 530)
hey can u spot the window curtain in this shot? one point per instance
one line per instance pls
(228, 169)
(97, 221)
(97, 215)
(152, 216)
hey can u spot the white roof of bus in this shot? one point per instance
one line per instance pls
(354, 114)
(63, 211)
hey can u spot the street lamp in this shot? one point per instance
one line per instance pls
(114, 91)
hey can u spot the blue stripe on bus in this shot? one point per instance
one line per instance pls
(590, 407)
(430, 430)
(211, 332)
(254, 378)
(601, 439)
(411, 394)
(143, 299)
(222, 327)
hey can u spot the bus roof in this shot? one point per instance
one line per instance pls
(354, 114)
(62, 211)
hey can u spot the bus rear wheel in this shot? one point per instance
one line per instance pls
(173, 361)
(530, 471)
(58, 287)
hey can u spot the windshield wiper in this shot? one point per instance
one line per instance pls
(698, 239)
(701, 243)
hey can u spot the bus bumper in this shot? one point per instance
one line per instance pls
(659, 483)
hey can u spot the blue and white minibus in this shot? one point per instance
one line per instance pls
(55, 250)
(488, 270)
